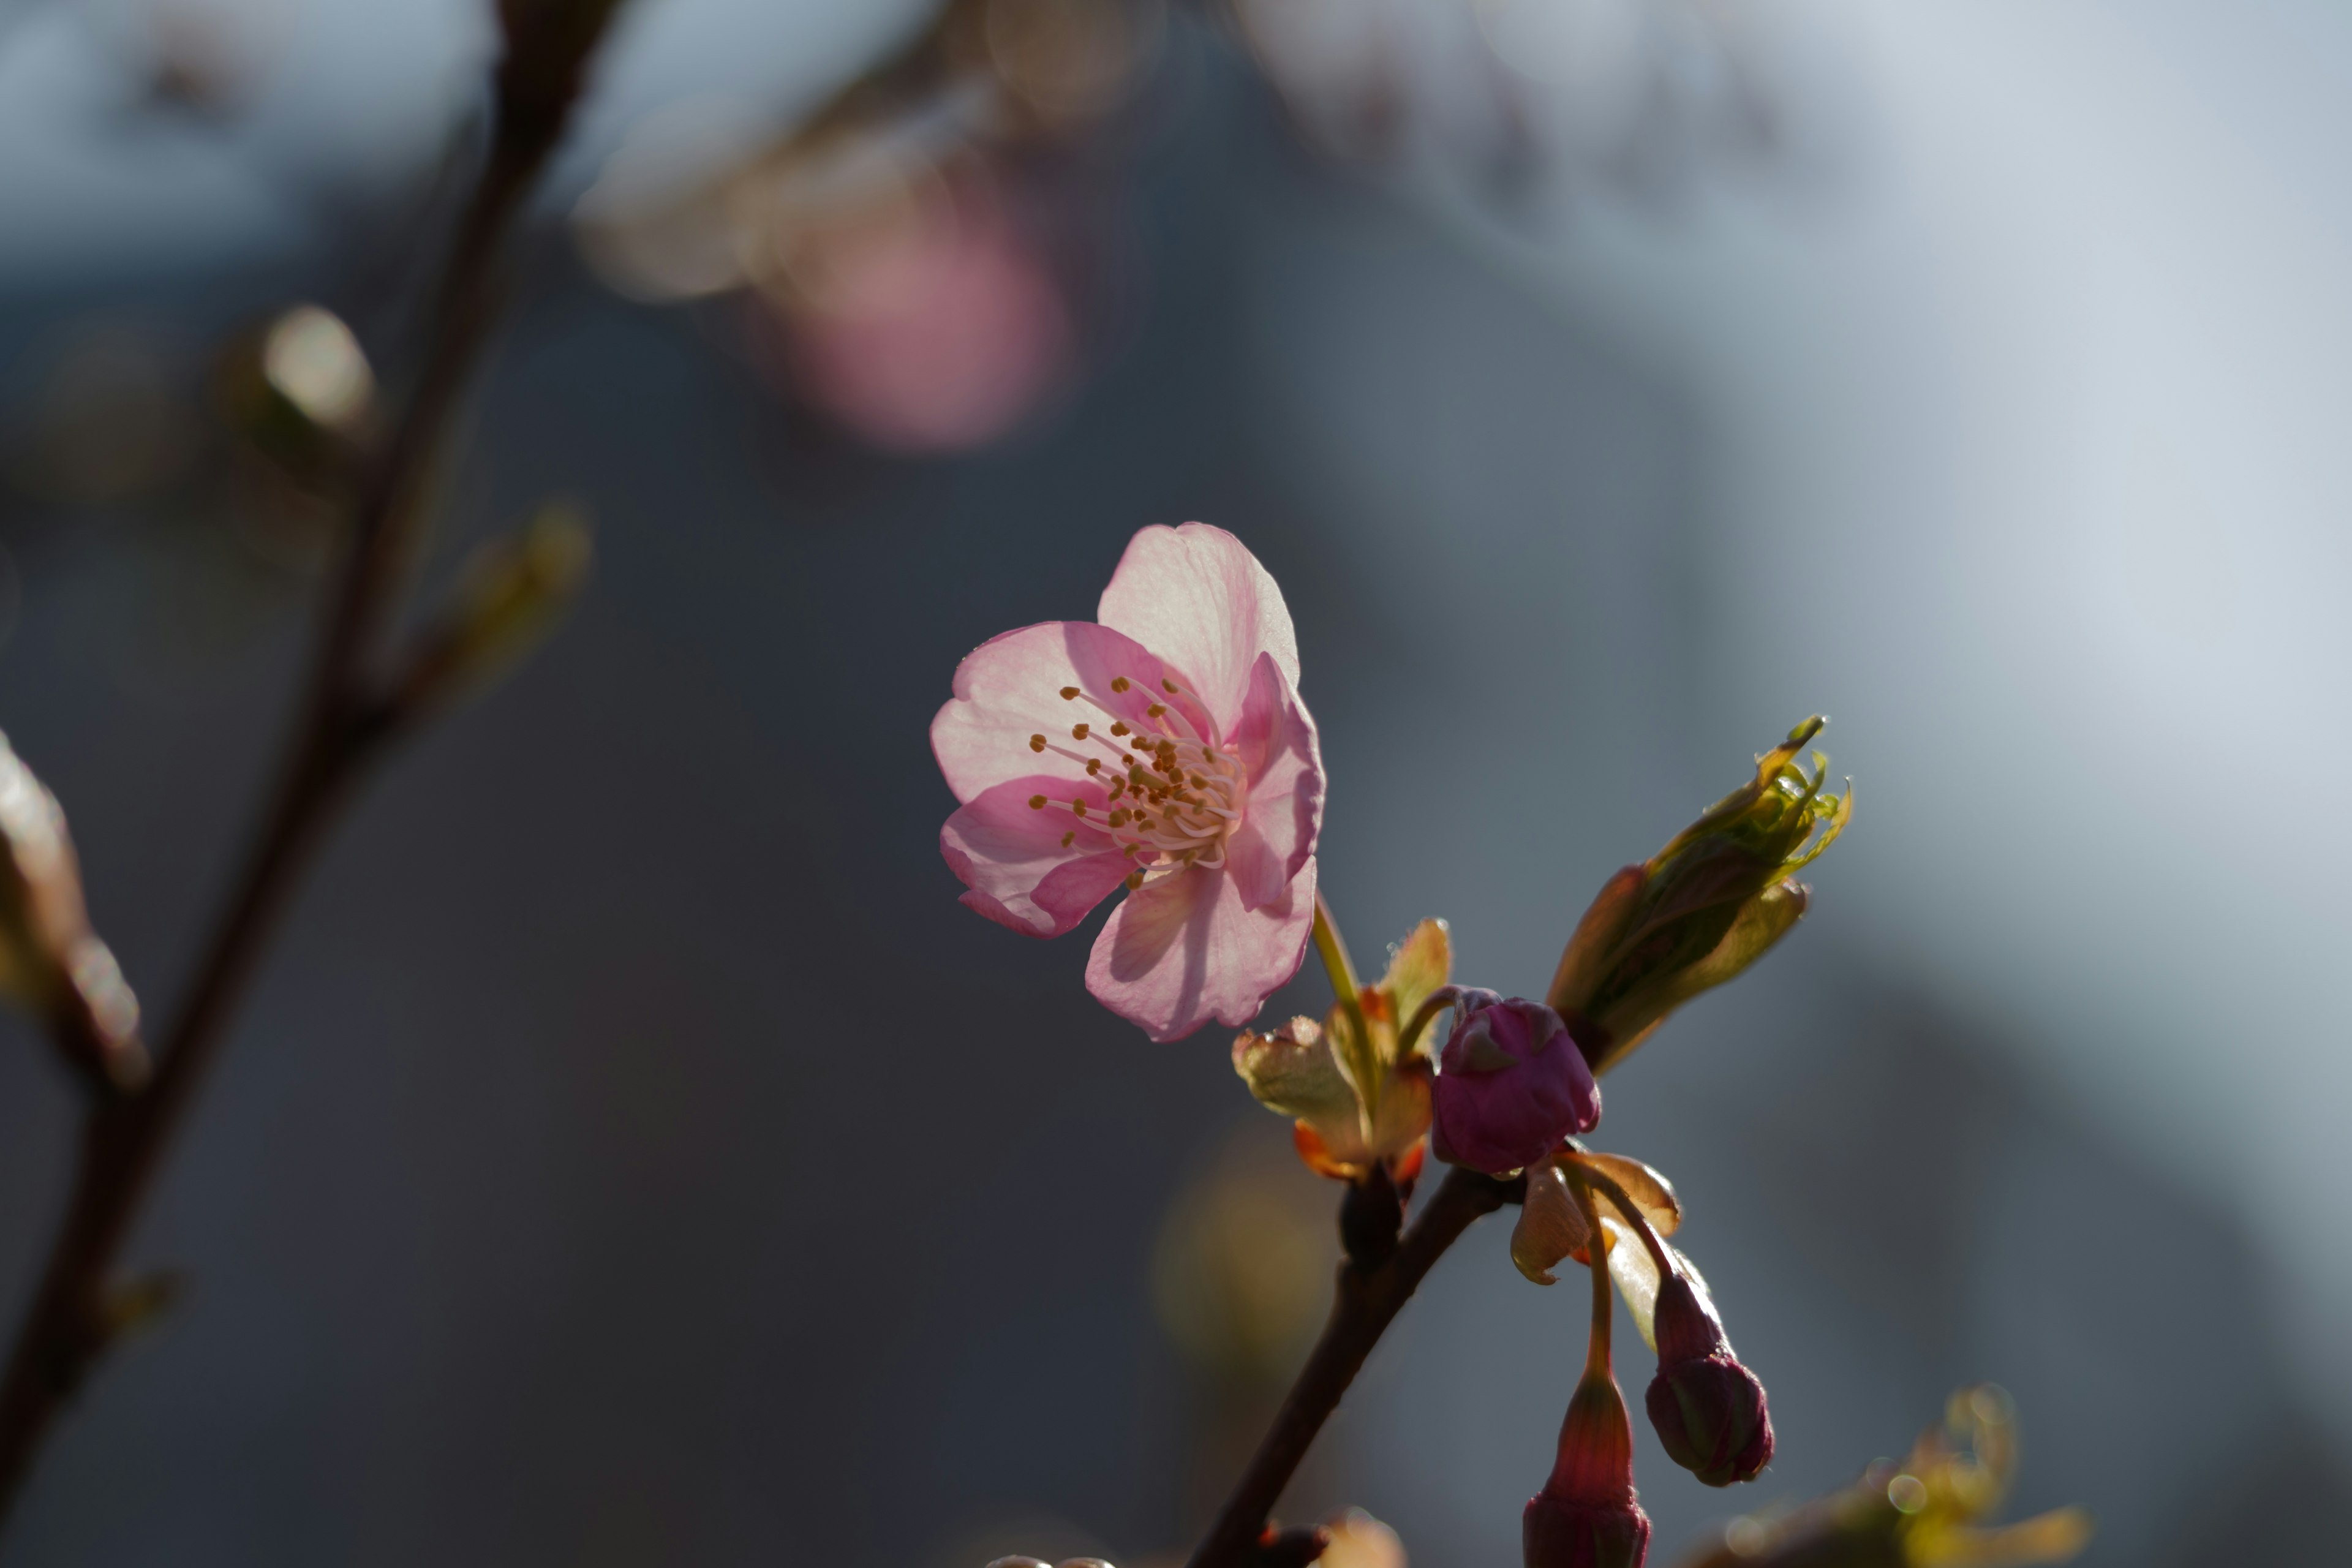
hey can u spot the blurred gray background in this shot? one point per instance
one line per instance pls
(633, 1153)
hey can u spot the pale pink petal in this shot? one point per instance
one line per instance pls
(1275, 741)
(1009, 688)
(1184, 950)
(1199, 600)
(1010, 855)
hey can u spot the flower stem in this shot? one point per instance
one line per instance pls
(1604, 1314)
(1333, 952)
(1585, 1175)
(1436, 1002)
(1365, 1302)
(342, 727)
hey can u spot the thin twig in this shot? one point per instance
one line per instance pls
(1368, 1300)
(69, 1323)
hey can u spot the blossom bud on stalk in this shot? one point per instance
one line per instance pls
(1701, 910)
(50, 960)
(1511, 1084)
(1708, 1409)
(513, 591)
(1587, 1516)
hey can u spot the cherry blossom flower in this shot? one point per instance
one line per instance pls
(1162, 747)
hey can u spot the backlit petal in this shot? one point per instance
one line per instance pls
(1184, 950)
(1011, 858)
(1275, 740)
(1199, 599)
(1009, 688)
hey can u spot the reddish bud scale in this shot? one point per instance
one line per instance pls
(1709, 1410)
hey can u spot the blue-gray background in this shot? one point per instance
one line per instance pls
(632, 1153)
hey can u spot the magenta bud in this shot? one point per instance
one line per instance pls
(1587, 1515)
(1510, 1085)
(1556, 1533)
(1708, 1409)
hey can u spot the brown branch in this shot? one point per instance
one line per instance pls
(1368, 1300)
(71, 1316)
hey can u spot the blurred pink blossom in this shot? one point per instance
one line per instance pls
(936, 331)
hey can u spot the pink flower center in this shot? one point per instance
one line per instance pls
(1173, 795)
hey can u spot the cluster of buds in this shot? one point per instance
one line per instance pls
(1514, 1088)
(1226, 898)
(1708, 1409)
(1926, 1512)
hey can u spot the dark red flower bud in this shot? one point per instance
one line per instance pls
(1587, 1515)
(1511, 1084)
(1709, 1409)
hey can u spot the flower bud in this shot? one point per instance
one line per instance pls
(1587, 1515)
(1700, 911)
(513, 591)
(1708, 1409)
(50, 960)
(1511, 1084)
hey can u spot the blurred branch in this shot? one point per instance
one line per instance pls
(73, 1315)
(1368, 1300)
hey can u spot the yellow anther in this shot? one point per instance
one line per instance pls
(1134, 881)
(1120, 727)
(1169, 687)
(1068, 837)
(1078, 732)
(1200, 782)
(1094, 764)
(1036, 742)
(1069, 693)
(1036, 803)
(1078, 808)
(1119, 819)
(1120, 683)
(1157, 709)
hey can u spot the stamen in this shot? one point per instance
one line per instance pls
(1069, 693)
(1078, 732)
(1094, 766)
(1120, 683)
(1078, 807)
(1134, 881)
(1068, 837)
(1157, 709)
(1036, 803)
(1118, 818)
(1120, 728)
(1168, 686)
(1036, 742)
